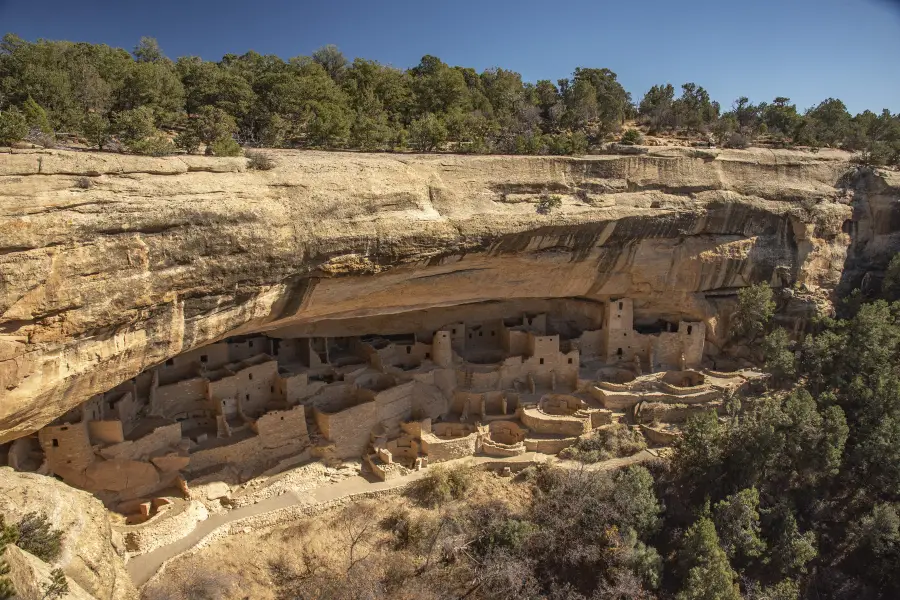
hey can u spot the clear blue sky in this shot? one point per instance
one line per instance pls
(807, 50)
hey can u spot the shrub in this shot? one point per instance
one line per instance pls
(409, 531)
(96, 129)
(158, 145)
(737, 140)
(37, 536)
(632, 137)
(440, 485)
(428, 133)
(84, 183)
(604, 444)
(57, 587)
(40, 138)
(547, 203)
(134, 126)
(225, 147)
(13, 127)
(36, 117)
(188, 140)
(259, 161)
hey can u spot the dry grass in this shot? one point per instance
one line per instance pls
(335, 551)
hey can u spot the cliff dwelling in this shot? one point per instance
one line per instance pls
(412, 393)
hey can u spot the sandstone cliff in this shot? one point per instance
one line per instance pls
(110, 264)
(89, 556)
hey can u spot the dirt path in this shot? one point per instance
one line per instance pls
(143, 567)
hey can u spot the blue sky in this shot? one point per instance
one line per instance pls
(807, 50)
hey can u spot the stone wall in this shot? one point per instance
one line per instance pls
(549, 445)
(159, 440)
(68, 451)
(440, 449)
(105, 432)
(163, 529)
(279, 428)
(350, 429)
(173, 399)
(540, 422)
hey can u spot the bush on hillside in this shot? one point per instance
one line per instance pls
(440, 485)
(259, 161)
(225, 147)
(547, 203)
(603, 444)
(37, 536)
(632, 137)
(737, 140)
(13, 126)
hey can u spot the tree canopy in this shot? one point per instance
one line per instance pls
(325, 100)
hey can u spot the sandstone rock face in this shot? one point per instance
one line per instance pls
(161, 255)
(89, 556)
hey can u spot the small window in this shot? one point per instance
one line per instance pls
(409, 349)
(250, 343)
(470, 336)
(493, 333)
(170, 362)
(454, 332)
(282, 418)
(55, 443)
(204, 358)
(542, 361)
(428, 355)
(621, 305)
(64, 428)
(250, 375)
(272, 389)
(570, 361)
(247, 396)
(480, 334)
(690, 329)
(619, 352)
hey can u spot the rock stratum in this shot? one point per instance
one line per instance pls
(110, 264)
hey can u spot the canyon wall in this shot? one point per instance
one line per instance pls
(110, 264)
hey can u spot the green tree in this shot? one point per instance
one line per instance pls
(890, 286)
(754, 311)
(708, 574)
(36, 117)
(331, 59)
(428, 133)
(779, 355)
(13, 126)
(737, 522)
(694, 109)
(437, 88)
(780, 117)
(635, 499)
(148, 50)
(96, 129)
(224, 147)
(656, 107)
(138, 133)
(208, 126)
(612, 101)
(831, 121)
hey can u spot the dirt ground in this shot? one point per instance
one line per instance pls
(253, 565)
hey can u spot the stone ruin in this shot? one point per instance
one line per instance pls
(498, 387)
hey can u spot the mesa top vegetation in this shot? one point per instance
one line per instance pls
(113, 99)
